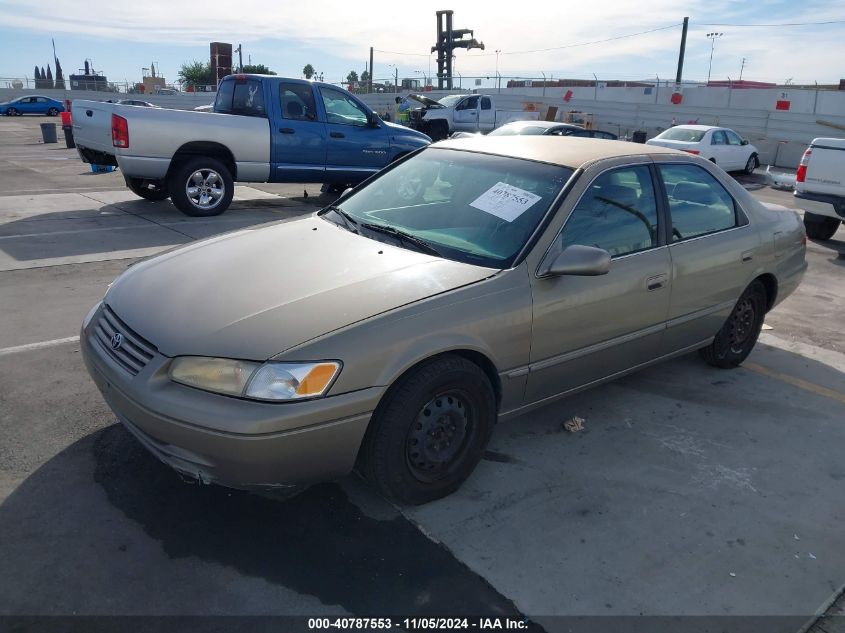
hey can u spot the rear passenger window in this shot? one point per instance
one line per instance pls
(719, 138)
(617, 213)
(297, 102)
(698, 203)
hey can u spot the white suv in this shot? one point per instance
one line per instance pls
(820, 187)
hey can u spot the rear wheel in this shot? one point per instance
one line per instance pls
(201, 187)
(152, 190)
(739, 334)
(820, 227)
(430, 431)
(52, 112)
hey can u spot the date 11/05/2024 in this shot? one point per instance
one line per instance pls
(429, 624)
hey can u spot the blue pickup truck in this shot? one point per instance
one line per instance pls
(263, 129)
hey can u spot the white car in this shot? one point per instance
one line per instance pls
(724, 147)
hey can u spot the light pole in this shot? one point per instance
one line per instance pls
(498, 80)
(425, 77)
(741, 68)
(712, 37)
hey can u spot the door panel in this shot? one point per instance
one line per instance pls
(587, 328)
(487, 115)
(354, 149)
(299, 136)
(465, 116)
(712, 254)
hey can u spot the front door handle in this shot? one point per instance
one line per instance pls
(337, 134)
(286, 130)
(656, 282)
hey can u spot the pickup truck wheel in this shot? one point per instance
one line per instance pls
(152, 190)
(438, 130)
(738, 335)
(430, 431)
(820, 227)
(201, 187)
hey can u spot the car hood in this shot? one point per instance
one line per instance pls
(428, 103)
(255, 293)
(406, 132)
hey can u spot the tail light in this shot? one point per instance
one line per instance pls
(692, 151)
(119, 131)
(801, 174)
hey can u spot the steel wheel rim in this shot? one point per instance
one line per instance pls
(742, 324)
(439, 436)
(205, 189)
(749, 166)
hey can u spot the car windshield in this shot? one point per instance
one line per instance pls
(450, 100)
(682, 134)
(474, 208)
(513, 130)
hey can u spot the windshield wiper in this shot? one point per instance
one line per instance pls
(421, 244)
(350, 222)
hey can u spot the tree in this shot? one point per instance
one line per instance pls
(44, 83)
(60, 80)
(197, 74)
(37, 78)
(308, 71)
(365, 77)
(352, 77)
(49, 77)
(258, 69)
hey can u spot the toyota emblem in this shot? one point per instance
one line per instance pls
(116, 340)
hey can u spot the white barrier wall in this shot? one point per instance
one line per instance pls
(780, 135)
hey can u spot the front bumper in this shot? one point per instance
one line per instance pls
(229, 441)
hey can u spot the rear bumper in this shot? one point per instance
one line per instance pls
(821, 204)
(269, 446)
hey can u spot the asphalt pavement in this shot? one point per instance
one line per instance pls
(690, 492)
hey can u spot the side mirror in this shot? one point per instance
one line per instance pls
(373, 120)
(583, 261)
(346, 192)
(745, 141)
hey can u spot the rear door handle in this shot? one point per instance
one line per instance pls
(337, 134)
(286, 130)
(656, 282)
(747, 256)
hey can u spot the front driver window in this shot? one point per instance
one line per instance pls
(468, 104)
(618, 213)
(342, 109)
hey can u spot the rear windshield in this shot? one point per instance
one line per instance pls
(244, 97)
(682, 134)
(513, 130)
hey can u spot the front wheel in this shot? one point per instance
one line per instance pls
(430, 431)
(12, 112)
(438, 130)
(152, 190)
(752, 164)
(201, 187)
(820, 227)
(739, 334)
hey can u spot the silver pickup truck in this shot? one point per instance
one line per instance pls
(263, 129)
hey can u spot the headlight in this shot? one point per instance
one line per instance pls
(267, 381)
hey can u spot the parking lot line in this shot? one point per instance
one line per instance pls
(796, 382)
(41, 345)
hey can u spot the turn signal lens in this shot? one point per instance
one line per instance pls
(316, 380)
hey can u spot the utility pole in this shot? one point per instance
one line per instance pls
(680, 72)
(396, 82)
(370, 74)
(713, 37)
(741, 68)
(240, 58)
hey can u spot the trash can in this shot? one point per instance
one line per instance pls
(48, 132)
(68, 130)
(639, 136)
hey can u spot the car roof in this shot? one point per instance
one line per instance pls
(544, 124)
(696, 127)
(568, 151)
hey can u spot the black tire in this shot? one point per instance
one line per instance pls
(52, 112)
(438, 130)
(178, 185)
(407, 453)
(820, 227)
(12, 112)
(739, 334)
(752, 164)
(152, 190)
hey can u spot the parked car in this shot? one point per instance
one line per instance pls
(720, 145)
(466, 113)
(454, 289)
(540, 128)
(35, 104)
(820, 187)
(263, 129)
(137, 102)
(172, 92)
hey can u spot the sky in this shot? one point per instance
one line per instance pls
(122, 37)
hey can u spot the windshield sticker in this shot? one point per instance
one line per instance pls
(505, 201)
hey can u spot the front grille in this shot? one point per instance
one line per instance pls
(133, 353)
